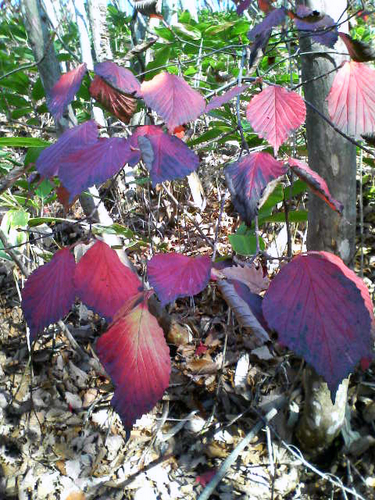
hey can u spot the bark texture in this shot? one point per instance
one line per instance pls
(334, 158)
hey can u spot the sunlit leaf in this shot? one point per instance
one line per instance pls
(274, 113)
(64, 90)
(351, 100)
(49, 292)
(167, 157)
(102, 282)
(247, 180)
(136, 356)
(173, 99)
(316, 307)
(50, 159)
(173, 275)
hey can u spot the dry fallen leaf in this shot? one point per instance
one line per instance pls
(250, 275)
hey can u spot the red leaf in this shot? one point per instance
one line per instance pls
(265, 5)
(64, 90)
(173, 275)
(49, 292)
(102, 282)
(275, 113)
(206, 477)
(219, 100)
(316, 183)
(93, 164)
(50, 159)
(351, 100)
(179, 131)
(118, 77)
(316, 25)
(173, 99)
(63, 196)
(247, 180)
(316, 307)
(167, 157)
(135, 354)
(113, 101)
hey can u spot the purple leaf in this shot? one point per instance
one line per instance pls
(173, 275)
(49, 160)
(167, 157)
(118, 77)
(93, 164)
(318, 311)
(219, 100)
(247, 180)
(134, 150)
(317, 26)
(49, 292)
(241, 5)
(273, 19)
(64, 90)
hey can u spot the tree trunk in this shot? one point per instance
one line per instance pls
(334, 158)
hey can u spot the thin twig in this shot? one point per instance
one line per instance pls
(230, 460)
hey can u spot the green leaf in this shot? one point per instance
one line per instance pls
(245, 244)
(298, 188)
(22, 142)
(206, 136)
(37, 221)
(32, 155)
(295, 216)
(114, 228)
(44, 189)
(16, 218)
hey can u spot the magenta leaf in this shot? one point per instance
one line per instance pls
(64, 90)
(247, 180)
(317, 309)
(316, 183)
(274, 18)
(274, 113)
(50, 159)
(173, 99)
(167, 157)
(320, 27)
(136, 356)
(219, 100)
(93, 164)
(120, 105)
(351, 100)
(102, 282)
(49, 292)
(173, 275)
(118, 77)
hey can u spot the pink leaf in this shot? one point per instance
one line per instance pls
(49, 292)
(247, 180)
(167, 157)
(320, 27)
(275, 113)
(251, 276)
(173, 99)
(219, 100)
(49, 160)
(173, 275)
(274, 18)
(93, 164)
(64, 90)
(316, 183)
(316, 307)
(118, 77)
(351, 100)
(135, 354)
(102, 282)
(120, 105)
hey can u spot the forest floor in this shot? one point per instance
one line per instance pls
(60, 439)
